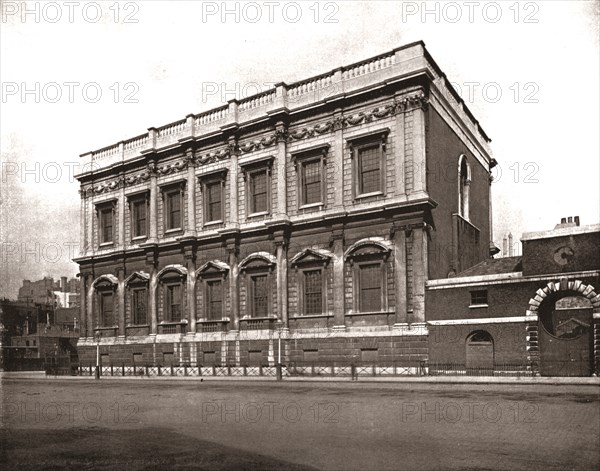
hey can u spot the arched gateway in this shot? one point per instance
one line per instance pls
(563, 340)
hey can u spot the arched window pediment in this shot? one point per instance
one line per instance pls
(367, 248)
(480, 337)
(172, 272)
(258, 260)
(311, 257)
(105, 282)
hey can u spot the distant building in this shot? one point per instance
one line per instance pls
(541, 308)
(32, 333)
(60, 293)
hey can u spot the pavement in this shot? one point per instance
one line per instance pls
(573, 380)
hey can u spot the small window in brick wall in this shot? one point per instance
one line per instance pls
(168, 358)
(138, 358)
(479, 297)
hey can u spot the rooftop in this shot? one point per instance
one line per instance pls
(402, 63)
(494, 266)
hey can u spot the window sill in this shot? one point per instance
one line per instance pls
(213, 321)
(311, 316)
(177, 230)
(370, 313)
(272, 318)
(214, 223)
(312, 205)
(477, 306)
(368, 195)
(105, 245)
(254, 215)
(136, 326)
(139, 239)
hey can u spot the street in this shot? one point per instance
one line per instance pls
(227, 425)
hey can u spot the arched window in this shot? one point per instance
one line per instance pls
(105, 288)
(464, 184)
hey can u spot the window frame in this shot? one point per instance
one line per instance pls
(356, 144)
(250, 170)
(134, 201)
(300, 159)
(358, 260)
(101, 307)
(168, 190)
(134, 315)
(208, 300)
(212, 178)
(475, 301)
(210, 272)
(167, 310)
(101, 210)
(305, 263)
(252, 294)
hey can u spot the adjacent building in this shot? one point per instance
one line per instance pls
(309, 216)
(62, 293)
(539, 311)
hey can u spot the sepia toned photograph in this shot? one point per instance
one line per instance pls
(300, 235)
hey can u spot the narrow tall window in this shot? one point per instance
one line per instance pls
(107, 308)
(139, 297)
(312, 182)
(464, 186)
(173, 210)
(173, 303)
(139, 218)
(259, 296)
(369, 163)
(370, 285)
(214, 295)
(106, 225)
(214, 199)
(313, 292)
(258, 192)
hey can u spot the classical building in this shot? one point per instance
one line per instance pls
(539, 311)
(313, 212)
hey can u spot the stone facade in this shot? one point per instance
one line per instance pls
(236, 287)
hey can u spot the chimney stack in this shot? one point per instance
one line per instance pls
(510, 245)
(577, 220)
(505, 247)
(63, 282)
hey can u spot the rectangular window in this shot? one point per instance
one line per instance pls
(173, 303)
(259, 296)
(311, 182)
(258, 192)
(370, 287)
(313, 292)
(214, 299)
(106, 308)
(139, 218)
(106, 225)
(214, 199)
(479, 297)
(139, 297)
(369, 169)
(173, 210)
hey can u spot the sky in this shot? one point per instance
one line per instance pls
(78, 76)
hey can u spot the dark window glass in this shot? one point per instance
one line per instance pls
(369, 159)
(173, 211)
(370, 288)
(215, 299)
(106, 222)
(139, 306)
(312, 182)
(139, 215)
(258, 192)
(313, 292)
(479, 297)
(213, 201)
(259, 296)
(173, 303)
(107, 307)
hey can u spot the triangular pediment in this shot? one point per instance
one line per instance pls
(308, 256)
(213, 267)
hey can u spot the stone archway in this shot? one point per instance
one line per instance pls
(552, 353)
